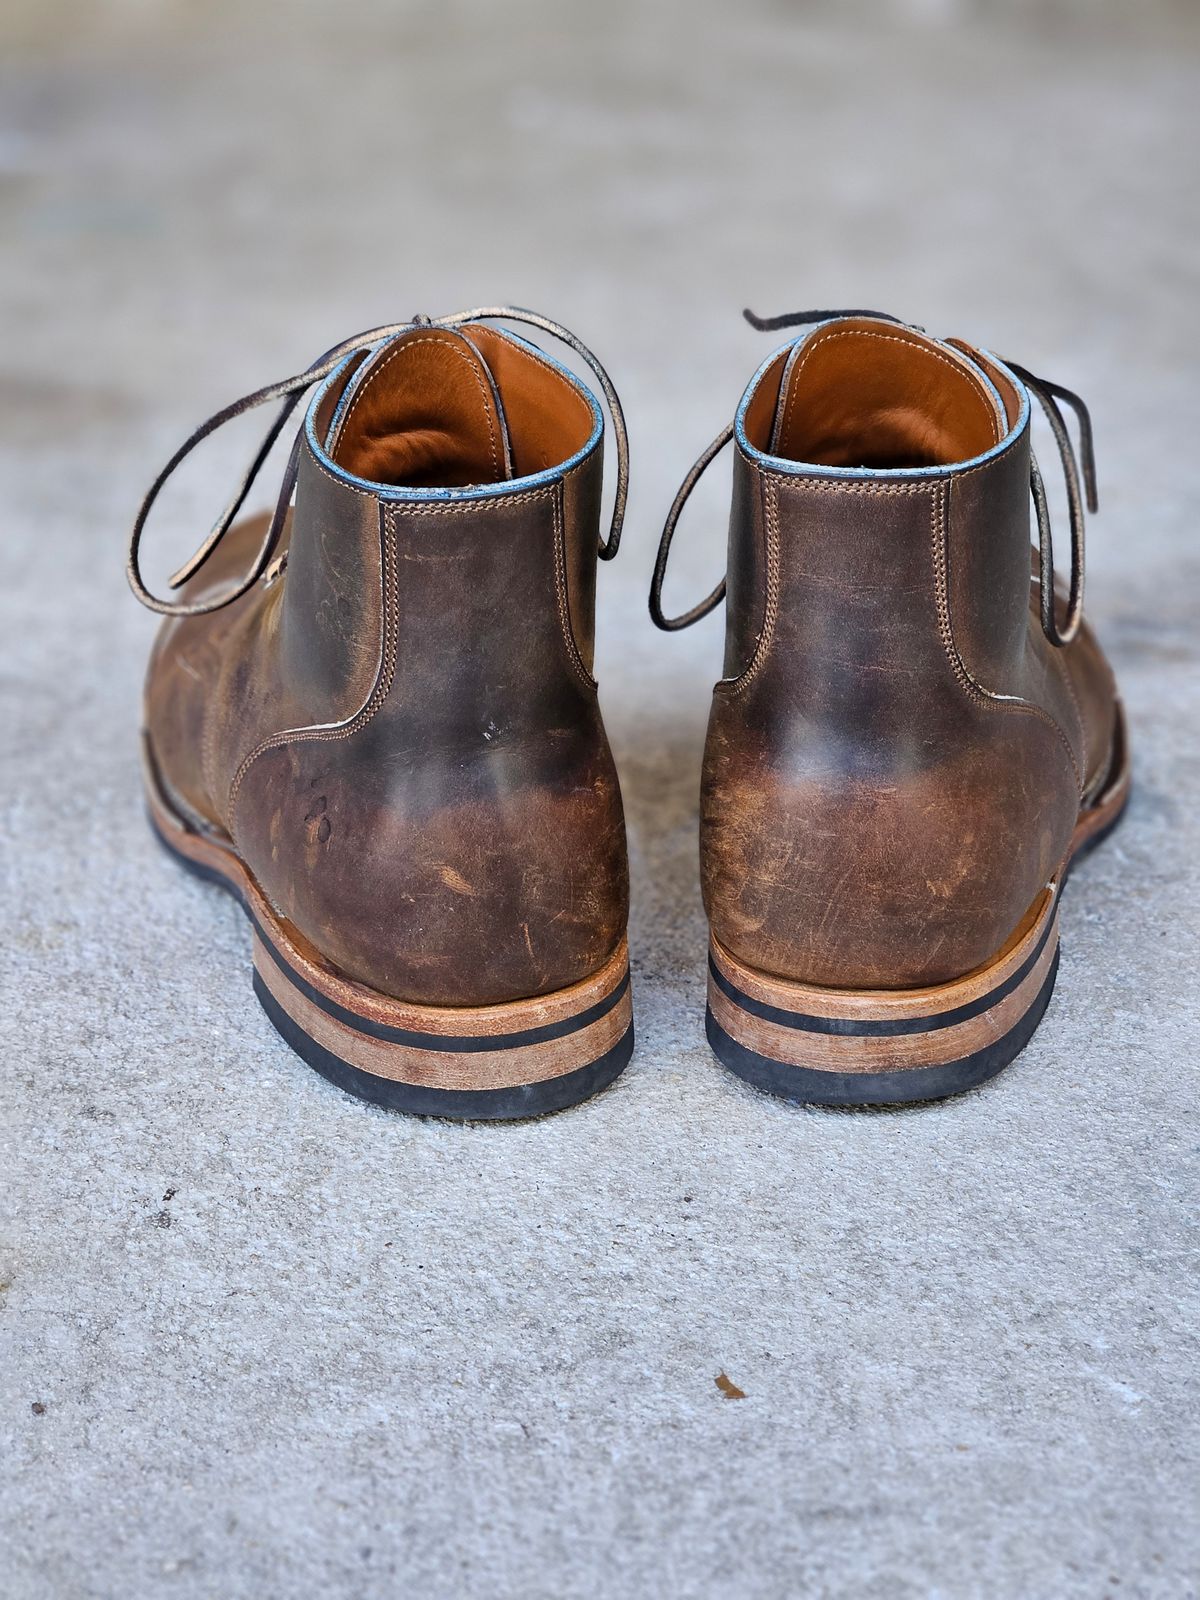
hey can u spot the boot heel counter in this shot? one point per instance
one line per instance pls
(870, 814)
(891, 880)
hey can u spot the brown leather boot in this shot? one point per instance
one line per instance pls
(374, 719)
(909, 748)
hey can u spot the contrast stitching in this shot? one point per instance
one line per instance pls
(579, 465)
(564, 612)
(808, 479)
(735, 686)
(384, 678)
(1070, 688)
(389, 644)
(443, 344)
(468, 502)
(342, 483)
(772, 482)
(209, 730)
(208, 755)
(986, 698)
(446, 508)
(889, 338)
(839, 485)
(971, 687)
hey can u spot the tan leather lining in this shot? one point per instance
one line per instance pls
(548, 418)
(879, 396)
(424, 415)
(1005, 387)
(761, 407)
(444, 408)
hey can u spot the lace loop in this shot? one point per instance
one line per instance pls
(1047, 395)
(712, 601)
(290, 391)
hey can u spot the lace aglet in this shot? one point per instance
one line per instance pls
(1088, 463)
(197, 559)
(1087, 459)
(178, 579)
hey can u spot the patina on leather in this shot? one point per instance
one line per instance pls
(897, 754)
(397, 728)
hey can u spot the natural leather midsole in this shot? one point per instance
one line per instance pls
(837, 1044)
(436, 1063)
(423, 1039)
(880, 1027)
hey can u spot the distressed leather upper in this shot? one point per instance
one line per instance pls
(897, 756)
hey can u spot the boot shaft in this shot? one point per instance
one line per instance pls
(850, 444)
(485, 589)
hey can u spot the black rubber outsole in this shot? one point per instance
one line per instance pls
(516, 1103)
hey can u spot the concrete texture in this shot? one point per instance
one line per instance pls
(259, 1340)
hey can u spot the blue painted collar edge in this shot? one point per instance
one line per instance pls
(802, 469)
(535, 480)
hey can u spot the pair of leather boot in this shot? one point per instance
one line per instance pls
(373, 716)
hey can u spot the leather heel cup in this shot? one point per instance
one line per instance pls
(845, 1047)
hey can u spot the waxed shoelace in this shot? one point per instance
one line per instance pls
(290, 391)
(1046, 393)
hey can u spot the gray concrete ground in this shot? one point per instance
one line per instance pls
(259, 1340)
